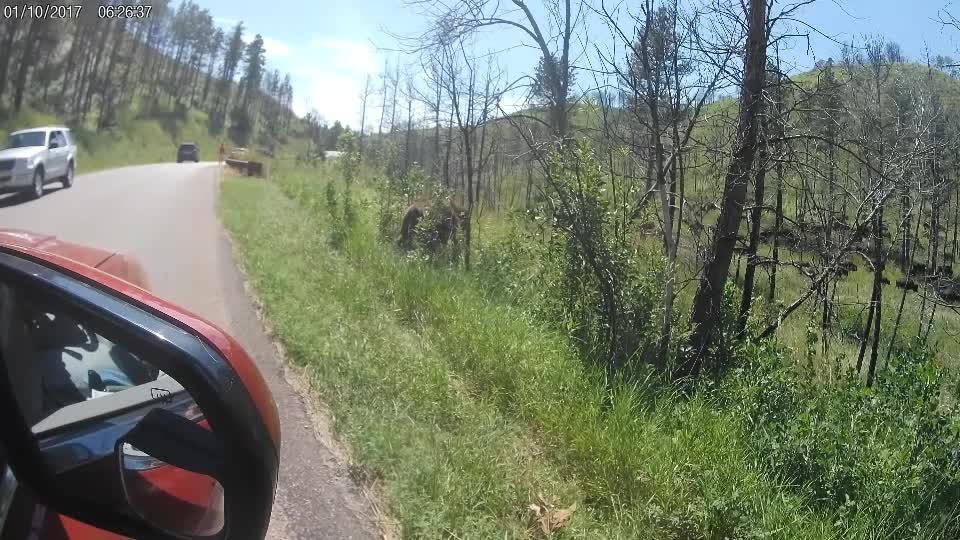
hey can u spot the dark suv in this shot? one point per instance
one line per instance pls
(188, 152)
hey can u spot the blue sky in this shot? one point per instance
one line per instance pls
(331, 47)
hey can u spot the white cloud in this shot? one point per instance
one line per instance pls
(334, 96)
(275, 48)
(328, 75)
(346, 54)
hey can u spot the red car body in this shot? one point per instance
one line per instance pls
(125, 275)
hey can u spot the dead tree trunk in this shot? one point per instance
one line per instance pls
(447, 152)
(26, 61)
(706, 304)
(408, 135)
(393, 108)
(956, 219)
(903, 294)
(874, 313)
(777, 226)
(756, 214)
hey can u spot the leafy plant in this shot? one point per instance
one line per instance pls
(603, 297)
(888, 453)
(349, 160)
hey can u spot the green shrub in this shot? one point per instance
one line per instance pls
(349, 160)
(512, 269)
(888, 454)
(605, 292)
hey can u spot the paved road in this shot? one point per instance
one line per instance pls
(165, 215)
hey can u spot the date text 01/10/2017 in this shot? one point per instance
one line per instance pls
(40, 11)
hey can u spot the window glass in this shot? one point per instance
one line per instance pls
(27, 139)
(58, 361)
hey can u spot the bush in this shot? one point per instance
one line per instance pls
(349, 160)
(511, 268)
(888, 454)
(606, 290)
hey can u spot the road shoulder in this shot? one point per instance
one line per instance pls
(316, 497)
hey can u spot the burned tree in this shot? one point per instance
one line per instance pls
(706, 304)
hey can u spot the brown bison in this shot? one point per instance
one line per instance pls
(441, 225)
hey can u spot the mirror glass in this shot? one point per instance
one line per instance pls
(171, 497)
(113, 428)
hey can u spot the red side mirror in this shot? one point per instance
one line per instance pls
(121, 412)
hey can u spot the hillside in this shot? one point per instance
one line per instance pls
(510, 183)
(131, 90)
(131, 142)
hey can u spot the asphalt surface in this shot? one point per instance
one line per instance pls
(165, 215)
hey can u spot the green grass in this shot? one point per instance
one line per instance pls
(465, 403)
(466, 407)
(134, 141)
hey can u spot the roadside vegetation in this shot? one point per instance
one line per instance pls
(663, 313)
(471, 408)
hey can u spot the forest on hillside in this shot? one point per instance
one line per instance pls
(843, 175)
(684, 209)
(95, 72)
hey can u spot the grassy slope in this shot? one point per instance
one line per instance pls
(134, 141)
(466, 408)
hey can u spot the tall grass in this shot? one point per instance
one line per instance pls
(466, 405)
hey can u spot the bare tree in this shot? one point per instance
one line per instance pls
(706, 304)
(364, 98)
(667, 81)
(473, 102)
(384, 85)
(552, 34)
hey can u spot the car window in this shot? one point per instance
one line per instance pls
(56, 137)
(72, 362)
(67, 138)
(27, 139)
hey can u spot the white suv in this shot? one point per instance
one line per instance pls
(34, 157)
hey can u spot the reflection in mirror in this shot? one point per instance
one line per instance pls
(169, 466)
(72, 363)
(110, 424)
(181, 499)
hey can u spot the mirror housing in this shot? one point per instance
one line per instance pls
(209, 365)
